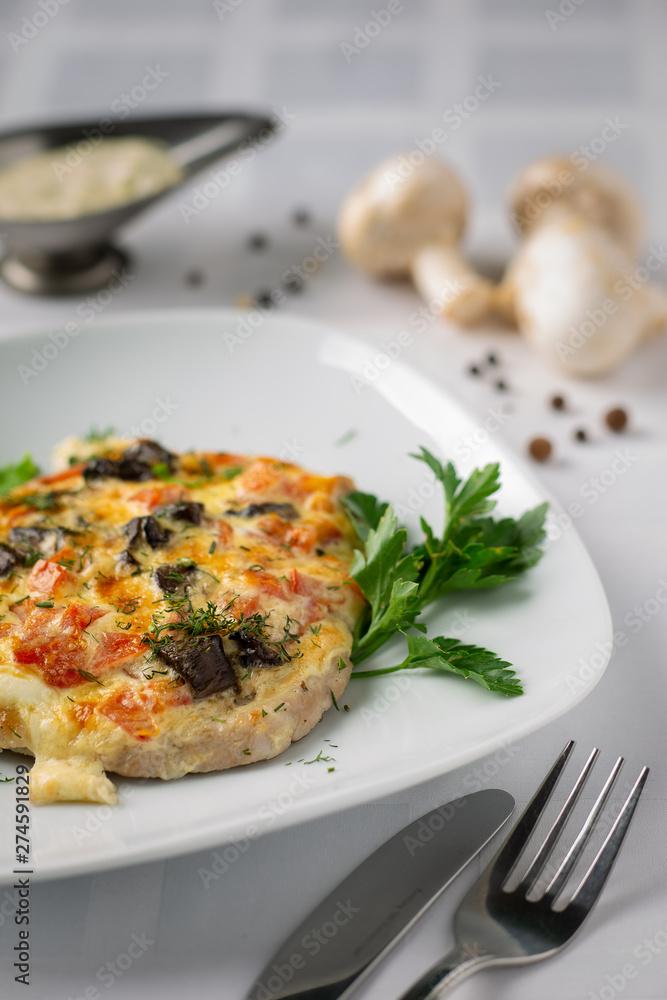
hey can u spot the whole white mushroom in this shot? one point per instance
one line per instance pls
(400, 222)
(571, 288)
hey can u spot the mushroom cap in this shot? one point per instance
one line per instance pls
(555, 185)
(398, 209)
(565, 281)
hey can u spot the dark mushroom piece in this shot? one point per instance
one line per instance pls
(255, 509)
(173, 578)
(109, 468)
(186, 511)
(149, 453)
(146, 529)
(203, 663)
(46, 541)
(126, 561)
(9, 559)
(252, 652)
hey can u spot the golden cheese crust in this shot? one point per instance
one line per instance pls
(162, 614)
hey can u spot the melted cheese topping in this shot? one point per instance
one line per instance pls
(84, 608)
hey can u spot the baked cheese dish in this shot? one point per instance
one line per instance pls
(167, 613)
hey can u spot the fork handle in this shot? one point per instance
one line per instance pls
(451, 970)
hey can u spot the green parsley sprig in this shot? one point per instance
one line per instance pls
(12, 476)
(473, 552)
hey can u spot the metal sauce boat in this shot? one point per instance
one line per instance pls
(72, 256)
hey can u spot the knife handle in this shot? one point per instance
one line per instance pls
(451, 970)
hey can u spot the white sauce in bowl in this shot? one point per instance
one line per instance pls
(63, 183)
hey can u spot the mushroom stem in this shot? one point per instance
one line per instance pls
(450, 286)
(655, 297)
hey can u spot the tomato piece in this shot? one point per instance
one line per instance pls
(303, 585)
(169, 695)
(158, 496)
(16, 514)
(225, 533)
(36, 621)
(48, 577)
(132, 711)
(327, 531)
(114, 648)
(265, 583)
(245, 606)
(58, 661)
(302, 536)
(319, 501)
(259, 477)
(78, 616)
(58, 477)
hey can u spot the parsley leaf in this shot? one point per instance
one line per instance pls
(12, 476)
(474, 552)
(452, 656)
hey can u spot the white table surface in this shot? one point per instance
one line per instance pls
(558, 85)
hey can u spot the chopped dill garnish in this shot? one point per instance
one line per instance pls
(181, 620)
(320, 757)
(90, 677)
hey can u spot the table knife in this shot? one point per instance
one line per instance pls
(366, 914)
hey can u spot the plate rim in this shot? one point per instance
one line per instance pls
(364, 788)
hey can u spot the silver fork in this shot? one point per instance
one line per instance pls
(494, 926)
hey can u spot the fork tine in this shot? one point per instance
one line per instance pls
(557, 883)
(507, 858)
(545, 851)
(593, 881)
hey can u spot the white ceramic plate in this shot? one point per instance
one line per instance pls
(207, 379)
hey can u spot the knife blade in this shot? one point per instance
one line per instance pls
(366, 914)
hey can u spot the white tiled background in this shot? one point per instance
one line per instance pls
(557, 87)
